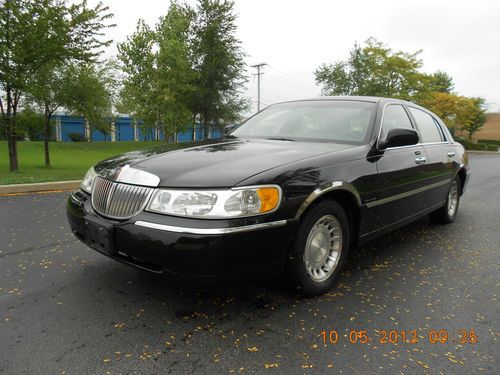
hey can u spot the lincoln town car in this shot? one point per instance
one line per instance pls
(292, 190)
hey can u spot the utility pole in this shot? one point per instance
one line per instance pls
(259, 73)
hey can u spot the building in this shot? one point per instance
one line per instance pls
(122, 128)
(490, 130)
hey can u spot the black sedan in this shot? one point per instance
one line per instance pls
(294, 189)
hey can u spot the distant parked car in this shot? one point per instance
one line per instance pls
(293, 188)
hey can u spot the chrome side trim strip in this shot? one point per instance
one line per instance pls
(208, 231)
(406, 194)
(335, 185)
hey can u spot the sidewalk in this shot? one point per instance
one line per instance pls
(39, 187)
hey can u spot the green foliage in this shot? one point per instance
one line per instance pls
(489, 141)
(90, 94)
(139, 93)
(476, 116)
(218, 62)
(458, 112)
(175, 65)
(30, 124)
(440, 82)
(37, 35)
(375, 70)
(480, 146)
(190, 65)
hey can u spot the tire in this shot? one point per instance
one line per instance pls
(448, 213)
(320, 249)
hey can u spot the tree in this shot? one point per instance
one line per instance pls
(477, 116)
(377, 70)
(30, 123)
(176, 76)
(37, 33)
(48, 90)
(190, 65)
(90, 94)
(139, 93)
(441, 82)
(218, 61)
(458, 112)
(159, 80)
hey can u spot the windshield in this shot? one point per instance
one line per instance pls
(327, 120)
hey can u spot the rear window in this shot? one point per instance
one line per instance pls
(427, 126)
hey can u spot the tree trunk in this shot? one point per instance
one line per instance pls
(205, 126)
(11, 131)
(12, 144)
(194, 127)
(47, 137)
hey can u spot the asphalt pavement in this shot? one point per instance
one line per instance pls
(65, 309)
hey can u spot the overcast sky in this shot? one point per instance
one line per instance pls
(294, 37)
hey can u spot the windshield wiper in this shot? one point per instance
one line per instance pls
(280, 139)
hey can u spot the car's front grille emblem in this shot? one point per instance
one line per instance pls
(117, 200)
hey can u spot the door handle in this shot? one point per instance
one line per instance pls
(420, 160)
(451, 154)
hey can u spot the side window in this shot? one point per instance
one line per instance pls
(441, 130)
(394, 117)
(429, 130)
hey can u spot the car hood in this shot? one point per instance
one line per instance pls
(221, 163)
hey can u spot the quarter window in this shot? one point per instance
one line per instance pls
(394, 117)
(429, 130)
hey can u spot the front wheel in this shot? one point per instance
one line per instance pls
(320, 249)
(448, 212)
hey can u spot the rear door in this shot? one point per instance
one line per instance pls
(401, 174)
(440, 154)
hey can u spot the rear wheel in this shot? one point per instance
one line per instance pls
(320, 249)
(448, 212)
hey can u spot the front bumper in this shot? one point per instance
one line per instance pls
(186, 247)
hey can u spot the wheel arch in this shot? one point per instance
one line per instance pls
(344, 194)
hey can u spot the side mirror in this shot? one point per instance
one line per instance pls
(229, 128)
(399, 137)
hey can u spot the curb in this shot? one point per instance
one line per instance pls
(42, 186)
(482, 152)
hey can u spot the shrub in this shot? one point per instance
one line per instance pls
(489, 141)
(492, 147)
(77, 137)
(480, 146)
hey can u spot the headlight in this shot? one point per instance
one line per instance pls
(237, 202)
(86, 184)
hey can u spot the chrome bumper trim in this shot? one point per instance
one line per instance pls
(207, 231)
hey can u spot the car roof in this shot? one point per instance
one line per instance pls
(372, 99)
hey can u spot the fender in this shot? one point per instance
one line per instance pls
(325, 188)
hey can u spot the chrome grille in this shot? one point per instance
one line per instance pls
(117, 200)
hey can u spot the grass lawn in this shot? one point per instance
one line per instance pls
(70, 160)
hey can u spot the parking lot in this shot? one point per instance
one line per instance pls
(66, 309)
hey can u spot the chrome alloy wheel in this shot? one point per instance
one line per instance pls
(453, 199)
(323, 248)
